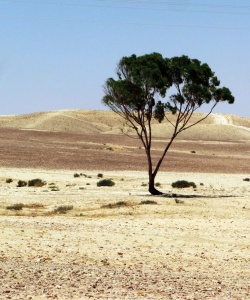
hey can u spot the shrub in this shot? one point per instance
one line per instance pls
(9, 180)
(115, 205)
(148, 202)
(34, 205)
(17, 206)
(63, 209)
(36, 182)
(21, 183)
(178, 201)
(53, 187)
(105, 182)
(76, 175)
(183, 184)
(157, 184)
(246, 179)
(100, 175)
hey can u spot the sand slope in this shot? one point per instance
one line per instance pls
(216, 126)
(87, 140)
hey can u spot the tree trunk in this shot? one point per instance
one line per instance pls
(151, 186)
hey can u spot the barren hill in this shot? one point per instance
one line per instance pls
(107, 122)
(80, 139)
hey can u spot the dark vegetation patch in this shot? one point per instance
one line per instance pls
(180, 184)
(147, 202)
(21, 183)
(178, 201)
(116, 205)
(20, 206)
(36, 182)
(63, 209)
(17, 206)
(106, 182)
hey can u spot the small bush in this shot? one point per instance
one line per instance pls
(21, 183)
(178, 201)
(36, 182)
(157, 184)
(63, 209)
(105, 182)
(115, 205)
(53, 187)
(144, 184)
(76, 175)
(180, 184)
(9, 180)
(148, 202)
(246, 179)
(100, 175)
(17, 206)
(34, 205)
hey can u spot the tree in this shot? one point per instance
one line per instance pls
(138, 94)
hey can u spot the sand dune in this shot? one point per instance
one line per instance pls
(107, 122)
(64, 120)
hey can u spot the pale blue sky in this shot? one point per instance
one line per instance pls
(57, 54)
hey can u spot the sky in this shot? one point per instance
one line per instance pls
(57, 54)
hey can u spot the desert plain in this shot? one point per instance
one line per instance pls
(120, 242)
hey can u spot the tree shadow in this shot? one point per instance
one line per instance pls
(174, 195)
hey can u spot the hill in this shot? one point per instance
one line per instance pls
(107, 122)
(93, 140)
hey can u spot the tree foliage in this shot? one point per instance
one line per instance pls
(138, 95)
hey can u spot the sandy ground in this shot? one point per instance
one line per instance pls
(193, 245)
(197, 249)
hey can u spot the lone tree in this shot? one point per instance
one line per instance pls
(138, 94)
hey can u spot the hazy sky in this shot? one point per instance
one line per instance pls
(57, 54)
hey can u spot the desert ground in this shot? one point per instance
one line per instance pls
(120, 242)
